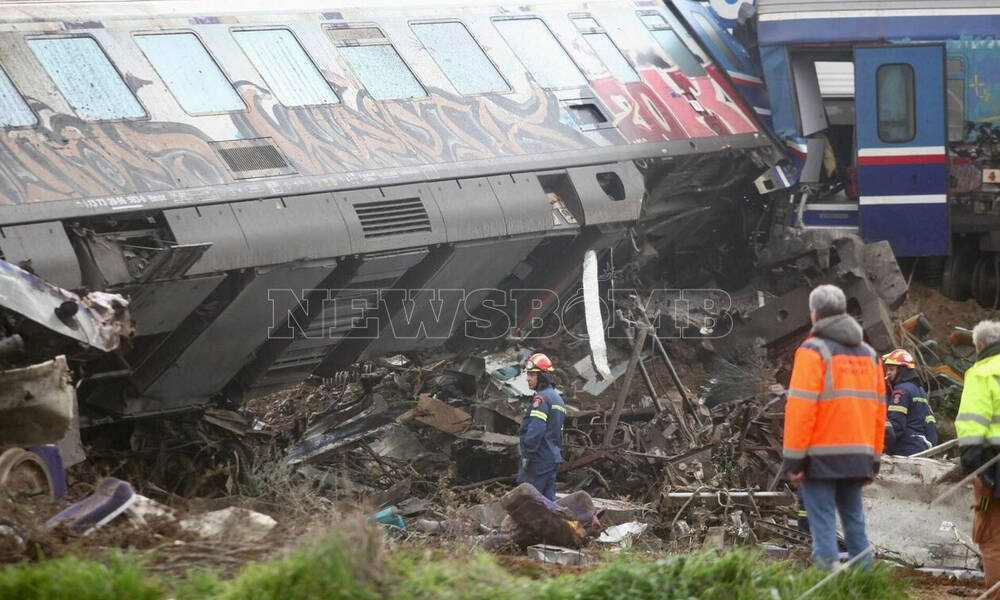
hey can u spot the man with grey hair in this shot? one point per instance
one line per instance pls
(834, 425)
(978, 428)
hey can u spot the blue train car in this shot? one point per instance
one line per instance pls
(911, 153)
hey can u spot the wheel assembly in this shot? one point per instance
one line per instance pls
(23, 474)
(985, 280)
(956, 280)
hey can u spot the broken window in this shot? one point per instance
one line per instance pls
(458, 54)
(376, 63)
(606, 50)
(286, 68)
(540, 53)
(190, 73)
(896, 114)
(86, 78)
(14, 111)
(672, 44)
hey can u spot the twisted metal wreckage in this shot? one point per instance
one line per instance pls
(218, 231)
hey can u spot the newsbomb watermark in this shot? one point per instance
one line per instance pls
(487, 313)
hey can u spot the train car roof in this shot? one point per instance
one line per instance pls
(31, 10)
(814, 21)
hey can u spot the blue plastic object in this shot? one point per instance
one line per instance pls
(49, 453)
(390, 516)
(111, 498)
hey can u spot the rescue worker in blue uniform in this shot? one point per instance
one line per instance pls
(914, 428)
(542, 429)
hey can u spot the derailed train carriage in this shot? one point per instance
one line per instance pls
(269, 184)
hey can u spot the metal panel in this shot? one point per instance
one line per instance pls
(304, 227)
(216, 224)
(48, 248)
(812, 116)
(220, 351)
(524, 204)
(160, 307)
(325, 331)
(173, 262)
(470, 267)
(361, 244)
(622, 201)
(470, 209)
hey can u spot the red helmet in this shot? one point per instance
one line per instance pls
(538, 363)
(899, 358)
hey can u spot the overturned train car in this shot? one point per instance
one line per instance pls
(269, 183)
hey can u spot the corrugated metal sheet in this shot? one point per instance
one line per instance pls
(836, 79)
(765, 7)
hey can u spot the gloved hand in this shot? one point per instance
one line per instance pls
(524, 464)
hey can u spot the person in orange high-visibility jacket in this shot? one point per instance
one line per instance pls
(834, 425)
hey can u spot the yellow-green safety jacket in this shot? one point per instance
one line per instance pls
(978, 422)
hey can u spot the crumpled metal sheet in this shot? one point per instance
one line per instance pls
(101, 321)
(36, 403)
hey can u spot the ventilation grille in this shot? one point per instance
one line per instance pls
(253, 158)
(392, 217)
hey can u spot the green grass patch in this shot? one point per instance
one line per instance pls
(119, 577)
(354, 568)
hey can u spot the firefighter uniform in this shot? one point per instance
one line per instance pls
(978, 429)
(541, 441)
(913, 424)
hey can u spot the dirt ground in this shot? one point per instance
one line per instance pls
(927, 587)
(943, 313)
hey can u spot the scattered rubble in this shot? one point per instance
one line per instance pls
(677, 448)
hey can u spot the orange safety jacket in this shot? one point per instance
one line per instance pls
(836, 411)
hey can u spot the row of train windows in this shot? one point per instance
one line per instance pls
(96, 91)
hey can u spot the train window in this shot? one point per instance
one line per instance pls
(540, 53)
(285, 66)
(586, 24)
(14, 111)
(605, 48)
(376, 63)
(715, 36)
(674, 46)
(461, 59)
(896, 103)
(956, 99)
(190, 73)
(86, 78)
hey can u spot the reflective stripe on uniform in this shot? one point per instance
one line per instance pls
(978, 440)
(899, 409)
(833, 450)
(924, 400)
(560, 408)
(839, 394)
(973, 418)
(804, 394)
(539, 414)
(930, 419)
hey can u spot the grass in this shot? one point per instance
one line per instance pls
(359, 569)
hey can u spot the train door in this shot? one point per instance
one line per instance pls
(901, 128)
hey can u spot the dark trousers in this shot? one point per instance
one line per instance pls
(543, 477)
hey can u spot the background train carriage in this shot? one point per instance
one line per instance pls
(889, 113)
(216, 161)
